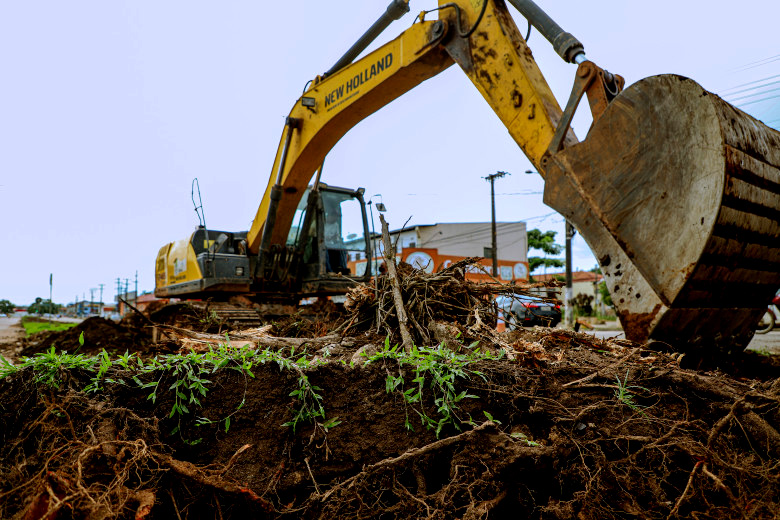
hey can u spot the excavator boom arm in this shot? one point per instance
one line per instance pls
(480, 36)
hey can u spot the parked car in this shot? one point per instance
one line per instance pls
(527, 311)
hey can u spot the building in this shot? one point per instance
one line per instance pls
(140, 302)
(434, 247)
(83, 309)
(582, 282)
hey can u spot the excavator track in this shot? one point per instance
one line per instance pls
(678, 192)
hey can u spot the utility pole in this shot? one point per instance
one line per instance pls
(119, 308)
(91, 300)
(101, 298)
(51, 284)
(135, 298)
(494, 246)
(570, 231)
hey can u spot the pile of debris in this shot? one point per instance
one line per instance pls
(431, 307)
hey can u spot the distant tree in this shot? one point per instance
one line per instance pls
(584, 304)
(41, 306)
(605, 296)
(543, 241)
(7, 307)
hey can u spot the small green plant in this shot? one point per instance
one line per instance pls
(49, 366)
(191, 372)
(520, 436)
(435, 370)
(623, 394)
(191, 378)
(211, 320)
(490, 418)
(7, 368)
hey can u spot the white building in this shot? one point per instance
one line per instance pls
(434, 246)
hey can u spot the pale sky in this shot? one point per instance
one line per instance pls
(109, 109)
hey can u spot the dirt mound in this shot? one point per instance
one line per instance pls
(540, 424)
(571, 428)
(98, 334)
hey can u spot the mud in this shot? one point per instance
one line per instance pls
(570, 427)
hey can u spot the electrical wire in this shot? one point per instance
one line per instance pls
(472, 236)
(759, 63)
(728, 92)
(759, 100)
(748, 96)
(469, 236)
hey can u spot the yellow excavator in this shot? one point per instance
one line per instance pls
(676, 191)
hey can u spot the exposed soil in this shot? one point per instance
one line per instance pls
(563, 426)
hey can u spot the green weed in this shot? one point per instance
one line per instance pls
(623, 394)
(435, 371)
(189, 375)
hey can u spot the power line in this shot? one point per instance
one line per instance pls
(522, 193)
(748, 96)
(759, 63)
(541, 218)
(751, 83)
(728, 94)
(759, 100)
(469, 236)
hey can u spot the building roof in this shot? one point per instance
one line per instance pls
(146, 297)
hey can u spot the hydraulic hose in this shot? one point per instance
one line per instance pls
(565, 44)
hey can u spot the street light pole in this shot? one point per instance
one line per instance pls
(380, 207)
(569, 296)
(494, 245)
(570, 231)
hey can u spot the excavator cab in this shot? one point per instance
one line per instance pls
(321, 256)
(329, 234)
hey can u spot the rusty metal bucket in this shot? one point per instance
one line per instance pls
(678, 194)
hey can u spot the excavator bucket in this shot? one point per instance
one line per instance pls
(678, 192)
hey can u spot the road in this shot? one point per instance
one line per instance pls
(8, 332)
(762, 342)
